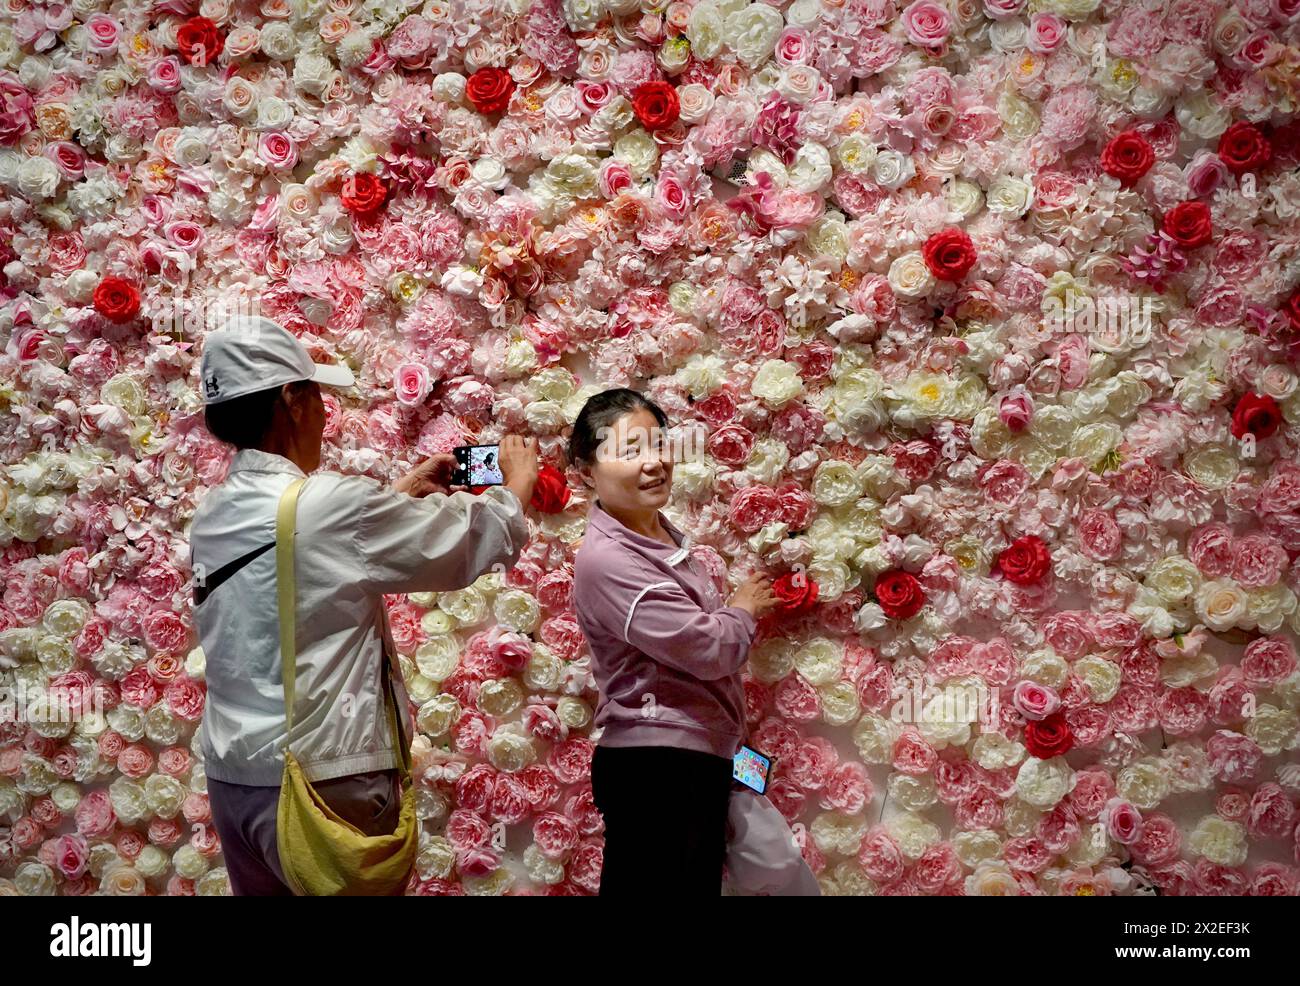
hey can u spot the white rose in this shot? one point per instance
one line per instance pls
(639, 150)
(909, 277)
(1042, 783)
(696, 101)
(583, 15)
(273, 113)
(777, 382)
(313, 72)
(752, 33)
(1009, 196)
(38, 179)
(811, 169)
(705, 30)
(449, 86)
(892, 169)
(855, 153)
(278, 41)
(192, 147)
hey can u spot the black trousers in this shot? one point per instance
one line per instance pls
(665, 813)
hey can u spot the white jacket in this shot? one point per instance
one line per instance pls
(355, 540)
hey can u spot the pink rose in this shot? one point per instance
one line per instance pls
(1122, 821)
(1211, 549)
(1267, 661)
(1000, 10)
(165, 74)
(927, 23)
(277, 151)
(411, 383)
(1099, 536)
(1046, 32)
(754, 507)
(1016, 411)
(1035, 701)
(1069, 633)
(1204, 173)
(794, 47)
(1258, 560)
(615, 177)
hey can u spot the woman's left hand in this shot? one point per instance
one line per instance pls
(433, 475)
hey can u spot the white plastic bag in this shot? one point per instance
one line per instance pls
(762, 857)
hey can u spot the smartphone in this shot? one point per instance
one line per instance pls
(477, 465)
(751, 768)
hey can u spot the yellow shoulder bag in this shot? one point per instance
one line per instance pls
(323, 855)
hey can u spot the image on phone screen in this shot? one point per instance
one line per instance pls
(483, 465)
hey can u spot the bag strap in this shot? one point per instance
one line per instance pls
(285, 522)
(286, 516)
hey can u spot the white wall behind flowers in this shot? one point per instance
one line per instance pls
(463, 200)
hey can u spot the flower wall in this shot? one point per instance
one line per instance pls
(992, 356)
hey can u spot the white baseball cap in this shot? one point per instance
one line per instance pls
(251, 353)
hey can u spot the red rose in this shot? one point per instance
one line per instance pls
(489, 89)
(1188, 224)
(900, 595)
(1026, 560)
(1291, 308)
(117, 299)
(1242, 147)
(551, 492)
(655, 105)
(1256, 414)
(364, 194)
(797, 593)
(1048, 737)
(198, 42)
(949, 254)
(1127, 157)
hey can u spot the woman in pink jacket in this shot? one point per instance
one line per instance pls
(666, 654)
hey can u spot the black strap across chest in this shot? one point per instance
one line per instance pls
(210, 582)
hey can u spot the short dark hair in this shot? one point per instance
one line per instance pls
(600, 412)
(242, 421)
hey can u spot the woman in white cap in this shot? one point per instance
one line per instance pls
(356, 540)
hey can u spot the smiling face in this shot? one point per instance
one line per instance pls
(632, 471)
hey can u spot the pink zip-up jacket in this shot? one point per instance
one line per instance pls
(665, 652)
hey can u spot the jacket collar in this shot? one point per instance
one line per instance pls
(612, 527)
(255, 460)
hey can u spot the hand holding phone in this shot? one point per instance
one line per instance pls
(433, 475)
(477, 465)
(519, 465)
(751, 768)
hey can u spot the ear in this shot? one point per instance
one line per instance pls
(291, 394)
(584, 473)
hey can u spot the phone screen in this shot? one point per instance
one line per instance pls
(751, 768)
(480, 465)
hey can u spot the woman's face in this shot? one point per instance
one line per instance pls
(633, 468)
(307, 410)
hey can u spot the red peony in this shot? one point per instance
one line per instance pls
(1127, 157)
(900, 594)
(1026, 560)
(1242, 147)
(1048, 737)
(1256, 414)
(655, 105)
(364, 194)
(949, 254)
(1188, 224)
(551, 493)
(797, 593)
(489, 89)
(117, 299)
(198, 42)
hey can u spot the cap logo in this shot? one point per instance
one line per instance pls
(210, 384)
